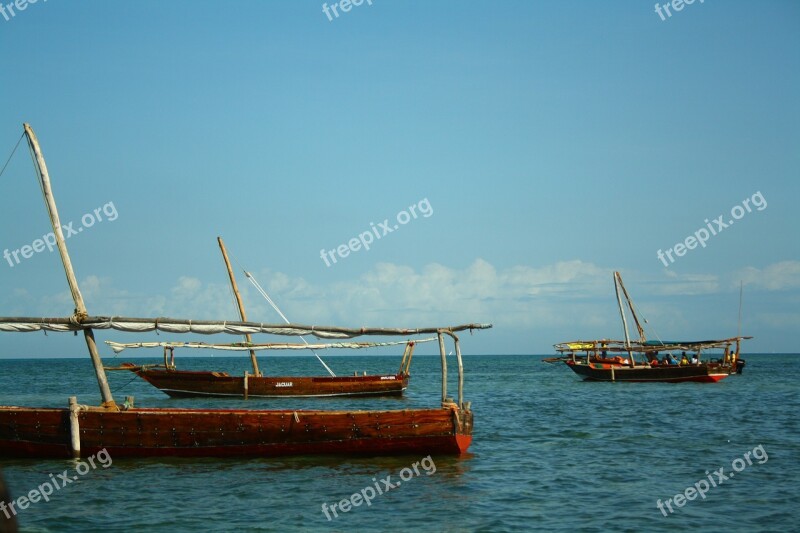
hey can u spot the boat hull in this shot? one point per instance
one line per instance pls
(666, 374)
(190, 384)
(46, 432)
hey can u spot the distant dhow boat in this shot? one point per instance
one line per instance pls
(644, 360)
(127, 431)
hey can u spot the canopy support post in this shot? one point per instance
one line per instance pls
(74, 428)
(444, 365)
(460, 372)
(405, 362)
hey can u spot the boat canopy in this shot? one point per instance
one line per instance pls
(687, 343)
(647, 346)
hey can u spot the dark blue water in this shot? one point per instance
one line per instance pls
(550, 453)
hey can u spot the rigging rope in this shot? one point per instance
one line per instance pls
(651, 328)
(275, 307)
(12, 154)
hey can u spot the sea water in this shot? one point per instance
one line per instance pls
(550, 453)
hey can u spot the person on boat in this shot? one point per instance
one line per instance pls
(684, 359)
(695, 360)
(672, 360)
(654, 362)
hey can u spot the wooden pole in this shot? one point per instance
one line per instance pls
(460, 372)
(405, 362)
(624, 321)
(407, 359)
(74, 427)
(639, 328)
(259, 327)
(444, 366)
(80, 307)
(739, 329)
(239, 303)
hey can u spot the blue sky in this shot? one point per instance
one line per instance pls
(554, 142)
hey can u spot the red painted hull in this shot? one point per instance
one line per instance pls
(45, 432)
(188, 384)
(662, 374)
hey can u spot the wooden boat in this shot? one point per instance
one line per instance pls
(128, 431)
(642, 360)
(191, 384)
(141, 432)
(187, 384)
(608, 360)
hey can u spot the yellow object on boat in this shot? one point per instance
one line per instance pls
(580, 346)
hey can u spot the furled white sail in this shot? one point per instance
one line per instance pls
(239, 347)
(210, 327)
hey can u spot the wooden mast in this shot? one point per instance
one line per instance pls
(622, 314)
(239, 303)
(639, 328)
(80, 308)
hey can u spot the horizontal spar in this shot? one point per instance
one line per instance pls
(210, 327)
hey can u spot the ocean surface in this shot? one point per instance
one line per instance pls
(550, 453)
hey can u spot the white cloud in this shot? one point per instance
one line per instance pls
(518, 296)
(388, 294)
(784, 275)
(564, 299)
(687, 284)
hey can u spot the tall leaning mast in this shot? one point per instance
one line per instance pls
(80, 307)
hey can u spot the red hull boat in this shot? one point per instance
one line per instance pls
(701, 373)
(189, 384)
(135, 432)
(192, 384)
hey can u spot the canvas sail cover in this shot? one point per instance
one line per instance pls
(209, 327)
(245, 346)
